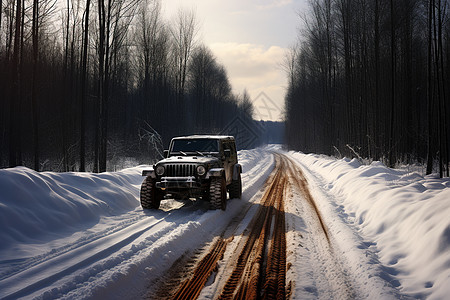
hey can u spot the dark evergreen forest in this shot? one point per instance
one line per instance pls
(371, 78)
(85, 83)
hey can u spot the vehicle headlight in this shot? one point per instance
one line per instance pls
(201, 170)
(160, 170)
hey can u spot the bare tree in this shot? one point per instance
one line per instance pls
(74, 85)
(14, 134)
(210, 91)
(114, 19)
(150, 40)
(184, 32)
(336, 78)
(1, 15)
(201, 70)
(34, 107)
(393, 86)
(246, 106)
(83, 89)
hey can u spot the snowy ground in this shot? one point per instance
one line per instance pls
(401, 219)
(78, 235)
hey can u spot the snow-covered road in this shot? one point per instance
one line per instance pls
(76, 235)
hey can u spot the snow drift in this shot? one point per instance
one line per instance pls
(34, 204)
(405, 215)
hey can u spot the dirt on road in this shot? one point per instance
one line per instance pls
(257, 268)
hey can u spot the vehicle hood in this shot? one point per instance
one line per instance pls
(189, 159)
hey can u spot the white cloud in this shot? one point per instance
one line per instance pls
(255, 68)
(275, 4)
(248, 38)
(250, 62)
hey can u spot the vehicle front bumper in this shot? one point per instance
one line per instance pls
(178, 183)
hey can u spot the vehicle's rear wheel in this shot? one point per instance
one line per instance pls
(150, 196)
(218, 193)
(235, 188)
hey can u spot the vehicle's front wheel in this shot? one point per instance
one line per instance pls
(150, 196)
(235, 188)
(218, 193)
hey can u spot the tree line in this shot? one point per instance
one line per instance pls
(370, 78)
(84, 82)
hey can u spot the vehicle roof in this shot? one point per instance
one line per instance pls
(198, 136)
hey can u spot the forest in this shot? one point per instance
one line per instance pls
(84, 84)
(370, 79)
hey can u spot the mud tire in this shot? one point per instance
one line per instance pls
(235, 188)
(218, 194)
(150, 196)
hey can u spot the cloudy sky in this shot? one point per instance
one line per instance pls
(250, 38)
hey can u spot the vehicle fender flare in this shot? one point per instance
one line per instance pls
(237, 169)
(149, 173)
(215, 172)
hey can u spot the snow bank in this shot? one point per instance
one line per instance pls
(406, 215)
(42, 203)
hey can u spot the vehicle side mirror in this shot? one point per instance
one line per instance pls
(166, 153)
(227, 153)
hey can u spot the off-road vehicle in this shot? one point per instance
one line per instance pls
(197, 166)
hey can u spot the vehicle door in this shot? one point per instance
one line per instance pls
(228, 160)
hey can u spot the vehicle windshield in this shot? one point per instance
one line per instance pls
(193, 146)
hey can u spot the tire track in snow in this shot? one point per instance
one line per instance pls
(81, 255)
(262, 256)
(261, 265)
(30, 262)
(330, 278)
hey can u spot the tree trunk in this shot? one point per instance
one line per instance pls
(438, 84)
(83, 90)
(377, 79)
(64, 121)
(393, 71)
(14, 134)
(1, 14)
(348, 63)
(105, 93)
(430, 150)
(442, 107)
(101, 75)
(35, 37)
(22, 96)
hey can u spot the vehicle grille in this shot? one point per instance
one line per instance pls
(180, 170)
